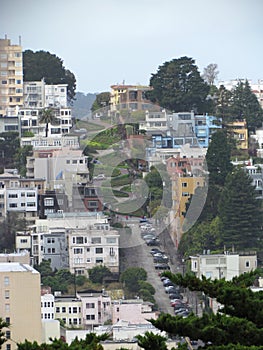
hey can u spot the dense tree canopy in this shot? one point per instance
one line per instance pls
(239, 212)
(102, 100)
(178, 86)
(132, 276)
(245, 106)
(239, 325)
(98, 273)
(218, 158)
(44, 65)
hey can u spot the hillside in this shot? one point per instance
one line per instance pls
(82, 105)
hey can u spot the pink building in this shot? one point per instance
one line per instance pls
(135, 311)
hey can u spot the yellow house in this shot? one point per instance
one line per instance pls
(238, 130)
(130, 97)
(183, 187)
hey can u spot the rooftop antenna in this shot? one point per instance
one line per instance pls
(20, 40)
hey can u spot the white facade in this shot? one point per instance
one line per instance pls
(154, 121)
(91, 242)
(22, 199)
(37, 94)
(228, 265)
(56, 95)
(51, 143)
(47, 307)
(29, 122)
(96, 246)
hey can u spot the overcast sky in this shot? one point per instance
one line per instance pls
(104, 42)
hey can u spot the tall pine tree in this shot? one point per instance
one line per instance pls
(239, 212)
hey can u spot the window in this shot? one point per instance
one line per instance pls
(78, 250)
(96, 240)
(6, 281)
(75, 321)
(57, 309)
(79, 240)
(30, 194)
(7, 307)
(247, 264)
(90, 305)
(12, 195)
(63, 309)
(99, 260)
(8, 334)
(13, 205)
(7, 294)
(31, 204)
(7, 320)
(93, 204)
(49, 202)
(90, 317)
(184, 184)
(111, 240)
(8, 347)
(75, 310)
(99, 250)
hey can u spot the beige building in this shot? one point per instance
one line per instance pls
(11, 77)
(20, 303)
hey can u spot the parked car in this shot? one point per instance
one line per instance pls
(152, 242)
(99, 177)
(162, 267)
(156, 250)
(175, 296)
(171, 288)
(145, 237)
(161, 260)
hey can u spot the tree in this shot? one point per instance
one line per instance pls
(47, 116)
(245, 105)
(239, 212)
(8, 229)
(3, 324)
(150, 341)
(44, 65)
(102, 100)
(210, 73)
(9, 144)
(218, 158)
(98, 273)
(223, 104)
(132, 276)
(178, 86)
(238, 326)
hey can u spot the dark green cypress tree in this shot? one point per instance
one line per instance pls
(239, 212)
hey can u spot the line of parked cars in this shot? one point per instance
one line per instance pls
(148, 233)
(181, 308)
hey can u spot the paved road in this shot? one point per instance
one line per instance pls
(134, 252)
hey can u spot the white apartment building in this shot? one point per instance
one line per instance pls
(47, 307)
(90, 240)
(39, 94)
(227, 265)
(23, 201)
(29, 122)
(99, 245)
(154, 121)
(11, 78)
